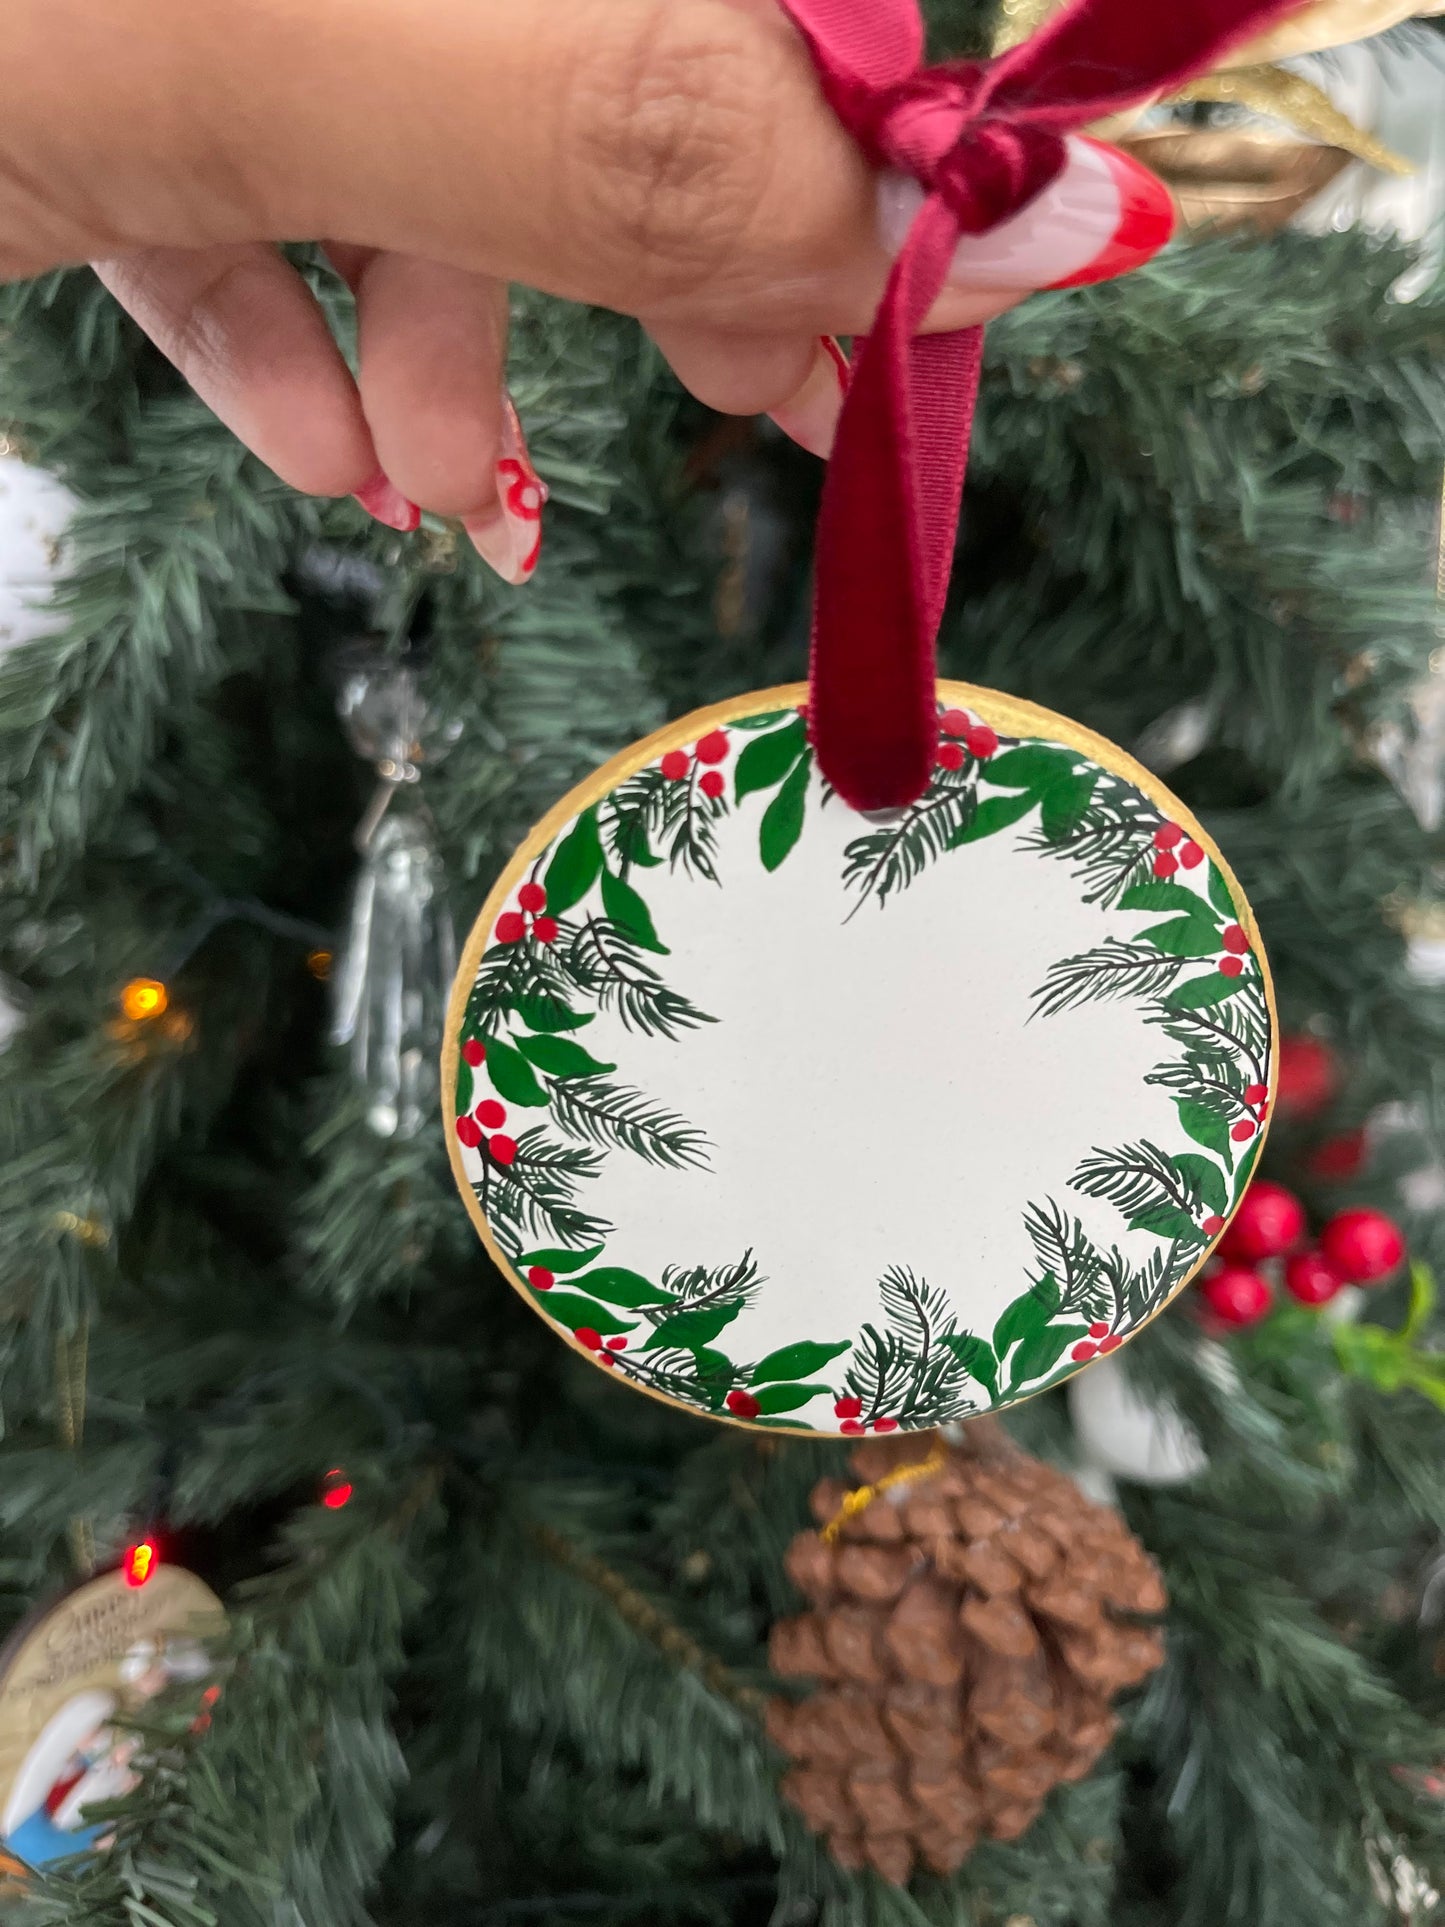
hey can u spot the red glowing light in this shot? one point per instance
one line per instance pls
(336, 1495)
(140, 1562)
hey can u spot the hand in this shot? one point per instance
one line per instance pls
(672, 159)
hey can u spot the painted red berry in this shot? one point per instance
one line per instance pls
(1255, 1093)
(468, 1132)
(1362, 1245)
(1167, 835)
(585, 1335)
(532, 896)
(950, 755)
(851, 1425)
(1236, 1295)
(982, 742)
(1233, 938)
(606, 1358)
(512, 927)
(617, 1344)
(1084, 1350)
(491, 1113)
(1110, 1344)
(713, 783)
(712, 749)
(1191, 856)
(847, 1407)
(1310, 1277)
(1269, 1222)
(474, 1051)
(503, 1149)
(1230, 966)
(885, 1425)
(1243, 1131)
(1099, 1329)
(675, 765)
(955, 722)
(1212, 1226)
(742, 1404)
(544, 929)
(1165, 865)
(540, 1279)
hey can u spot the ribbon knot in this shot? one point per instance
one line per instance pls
(983, 138)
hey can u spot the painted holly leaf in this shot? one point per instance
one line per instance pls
(1031, 767)
(796, 1361)
(1026, 1314)
(1063, 803)
(545, 1012)
(1206, 1127)
(1167, 1221)
(1198, 993)
(787, 1398)
(760, 722)
(577, 1313)
(575, 865)
(464, 1087)
(558, 1261)
(619, 1286)
(1040, 1351)
(1219, 892)
(782, 822)
(766, 760)
(1185, 937)
(629, 913)
(688, 1330)
(1163, 896)
(1205, 1180)
(976, 1357)
(560, 1057)
(512, 1076)
(993, 814)
(716, 1374)
(1246, 1166)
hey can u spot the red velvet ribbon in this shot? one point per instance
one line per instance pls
(983, 138)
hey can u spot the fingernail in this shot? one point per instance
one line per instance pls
(1103, 215)
(509, 536)
(811, 416)
(384, 501)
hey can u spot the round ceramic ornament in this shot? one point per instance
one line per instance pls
(66, 1676)
(805, 1120)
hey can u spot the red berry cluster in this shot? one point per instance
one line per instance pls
(472, 1130)
(849, 1409)
(513, 925)
(709, 751)
(1168, 838)
(606, 1349)
(1356, 1247)
(1101, 1340)
(962, 735)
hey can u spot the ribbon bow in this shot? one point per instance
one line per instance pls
(982, 138)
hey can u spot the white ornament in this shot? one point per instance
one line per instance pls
(35, 513)
(1123, 1433)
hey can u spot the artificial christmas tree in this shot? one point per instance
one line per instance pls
(521, 1673)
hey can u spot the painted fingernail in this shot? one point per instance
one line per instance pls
(384, 501)
(811, 416)
(509, 536)
(1103, 215)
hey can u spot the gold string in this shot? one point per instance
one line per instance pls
(71, 1359)
(863, 1496)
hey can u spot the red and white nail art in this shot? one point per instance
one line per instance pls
(509, 536)
(386, 504)
(810, 417)
(1103, 215)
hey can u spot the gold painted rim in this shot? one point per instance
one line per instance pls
(1018, 718)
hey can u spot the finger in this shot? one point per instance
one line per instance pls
(245, 331)
(674, 159)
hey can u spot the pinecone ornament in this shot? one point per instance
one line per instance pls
(968, 1631)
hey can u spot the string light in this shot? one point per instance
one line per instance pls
(319, 963)
(336, 1495)
(139, 1563)
(144, 997)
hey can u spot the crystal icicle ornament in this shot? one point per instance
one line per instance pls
(394, 970)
